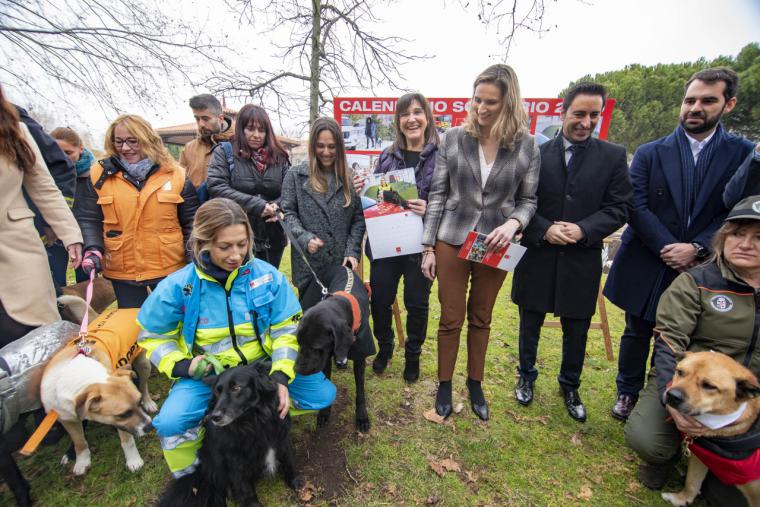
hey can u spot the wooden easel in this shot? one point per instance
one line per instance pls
(603, 323)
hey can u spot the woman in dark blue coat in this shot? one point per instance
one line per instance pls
(415, 145)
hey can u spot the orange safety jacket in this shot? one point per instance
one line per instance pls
(141, 229)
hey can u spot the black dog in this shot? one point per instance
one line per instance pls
(245, 441)
(332, 328)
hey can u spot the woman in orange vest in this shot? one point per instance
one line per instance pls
(136, 210)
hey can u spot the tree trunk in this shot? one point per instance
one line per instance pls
(316, 24)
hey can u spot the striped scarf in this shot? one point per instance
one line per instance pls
(693, 174)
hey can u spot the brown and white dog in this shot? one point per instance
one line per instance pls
(95, 383)
(724, 396)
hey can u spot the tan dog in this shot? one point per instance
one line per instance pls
(96, 384)
(102, 293)
(724, 396)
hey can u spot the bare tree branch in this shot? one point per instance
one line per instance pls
(104, 50)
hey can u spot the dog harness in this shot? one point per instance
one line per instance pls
(116, 331)
(733, 460)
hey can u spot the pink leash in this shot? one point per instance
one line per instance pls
(82, 347)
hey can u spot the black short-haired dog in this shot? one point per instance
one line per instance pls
(338, 327)
(245, 441)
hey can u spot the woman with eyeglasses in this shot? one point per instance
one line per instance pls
(136, 211)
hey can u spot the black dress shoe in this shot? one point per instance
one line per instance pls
(524, 391)
(380, 363)
(481, 410)
(574, 405)
(443, 409)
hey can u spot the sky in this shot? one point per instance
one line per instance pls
(583, 37)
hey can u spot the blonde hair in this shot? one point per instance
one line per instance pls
(211, 217)
(150, 142)
(512, 122)
(317, 181)
(729, 227)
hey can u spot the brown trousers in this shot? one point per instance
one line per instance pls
(453, 276)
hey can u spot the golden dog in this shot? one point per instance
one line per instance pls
(724, 396)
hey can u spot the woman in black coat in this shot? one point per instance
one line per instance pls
(250, 171)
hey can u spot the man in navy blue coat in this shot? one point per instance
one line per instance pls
(678, 182)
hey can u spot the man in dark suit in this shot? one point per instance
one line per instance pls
(583, 196)
(678, 182)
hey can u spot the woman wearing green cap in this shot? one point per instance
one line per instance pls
(714, 306)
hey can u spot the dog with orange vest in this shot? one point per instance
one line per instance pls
(93, 380)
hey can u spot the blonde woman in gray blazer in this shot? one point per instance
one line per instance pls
(485, 180)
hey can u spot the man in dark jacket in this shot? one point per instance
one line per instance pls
(583, 196)
(678, 182)
(65, 176)
(746, 181)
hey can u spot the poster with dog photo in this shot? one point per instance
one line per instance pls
(392, 228)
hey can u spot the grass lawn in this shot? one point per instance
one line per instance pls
(522, 456)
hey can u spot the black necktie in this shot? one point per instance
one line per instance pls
(575, 150)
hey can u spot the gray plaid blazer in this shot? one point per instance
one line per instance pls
(459, 203)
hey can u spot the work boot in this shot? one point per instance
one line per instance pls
(380, 363)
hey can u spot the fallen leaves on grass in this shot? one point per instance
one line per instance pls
(576, 439)
(629, 457)
(307, 493)
(470, 477)
(585, 493)
(440, 467)
(433, 500)
(458, 408)
(633, 486)
(543, 419)
(432, 416)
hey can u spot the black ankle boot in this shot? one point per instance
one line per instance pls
(478, 401)
(412, 369)
(443, 399)
(380, 363)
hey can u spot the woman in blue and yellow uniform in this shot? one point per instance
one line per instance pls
(226, 308)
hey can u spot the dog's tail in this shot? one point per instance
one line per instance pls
(191, 490)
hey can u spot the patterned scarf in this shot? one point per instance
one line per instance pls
(260, 158)
(86, 158)
(693, 174)
(138, 170)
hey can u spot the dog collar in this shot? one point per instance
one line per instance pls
(717, 421)
(355, 310)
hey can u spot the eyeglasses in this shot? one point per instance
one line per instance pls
(131, 142)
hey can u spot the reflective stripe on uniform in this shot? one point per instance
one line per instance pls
(161, 351)
(277, 332)
(225, 344)
(172, 442)
(284, 353)
(187, 470)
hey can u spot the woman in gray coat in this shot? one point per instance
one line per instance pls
(322, 210)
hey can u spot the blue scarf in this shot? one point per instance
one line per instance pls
(693, 174)
(138, 170)
(86, 158)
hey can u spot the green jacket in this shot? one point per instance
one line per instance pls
(707, 308)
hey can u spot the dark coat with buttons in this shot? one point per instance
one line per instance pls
(639, 276)
(595, 195)
(310, 214)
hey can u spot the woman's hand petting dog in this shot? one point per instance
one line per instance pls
(284, 401)
(314, 245)
(417, 206)
(350, 262)
(687, 424)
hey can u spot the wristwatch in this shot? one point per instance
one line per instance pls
(702, 252)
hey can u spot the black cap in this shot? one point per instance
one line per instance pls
(747, 208)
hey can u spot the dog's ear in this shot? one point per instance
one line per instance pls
(210, 380)
(88, 402)
(344, 338)
(747, 389)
